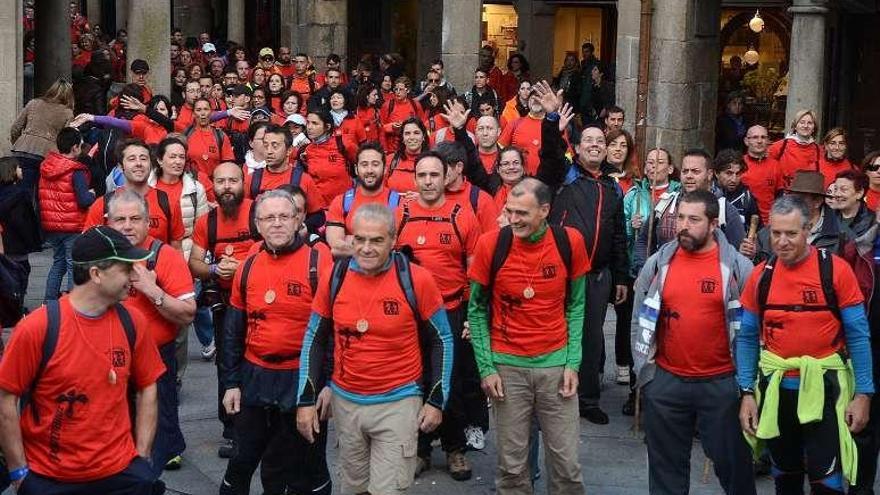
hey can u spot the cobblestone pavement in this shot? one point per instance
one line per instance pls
(613, 456)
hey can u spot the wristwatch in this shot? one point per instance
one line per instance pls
(159, 301)
(746, 391)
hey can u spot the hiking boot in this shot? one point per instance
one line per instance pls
(629, 407)
(422, 464)
(458, 466)
(622, 375)
(227, 448)
(594, 415)
(174, 463)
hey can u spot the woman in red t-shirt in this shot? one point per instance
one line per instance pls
(275, 95)
(622, 155)
(207, 146)
(291, 104)
(368, 112)
(871, 167)
(798, 150)
(833, 159)
(400, 172)
(324, 160)
(344, 120)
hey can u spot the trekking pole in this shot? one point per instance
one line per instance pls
(753, 227)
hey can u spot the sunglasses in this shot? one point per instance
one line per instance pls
(872, 167)
(433, 80)
(268, 57)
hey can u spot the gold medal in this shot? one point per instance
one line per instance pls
(269, 297)
(362, 325)
(528, 292)
(205, 157)
(111, 376)
(420, 240)
(229, 250)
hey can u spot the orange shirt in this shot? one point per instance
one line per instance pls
(400, 172)
(501, 197)
(173, 277)
(762, 179)
(174, 191)
(439, 245)
(234, 232)
(273, 180)
(386, 356)
(275, 330)
(329, 167)
(536, 326)
(525, 134)
(203, 154)
(486, 212)
(795, 157)
(162, 228)
(338, 217)
(805, 333)
(84, 433)
(395, 112)
(692, 336)
(830, 169)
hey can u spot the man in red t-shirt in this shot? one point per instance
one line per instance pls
(525, 134)
(73, 433)
(163, 292)
(221, 240)
(442, 235)
(166, 219)
(762, 171)
(460, 191)
(266, 322)
(526, 316)
(686, 319)
(383, 318)
(369, 169)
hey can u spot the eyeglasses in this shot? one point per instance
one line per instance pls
(433, 80)
(267, 58)
(271, 219)
(873, 167)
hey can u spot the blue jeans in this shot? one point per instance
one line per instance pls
(203, 323)
(62, 263)
(136, 479)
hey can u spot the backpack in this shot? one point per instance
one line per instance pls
(12, 278)
(456, 210)
(212, 229)
(348, 200)
(826, 276)
(164, 205)
(404, 278)
(257, 179)
(505, 240)
(50, 342)
(248, 263)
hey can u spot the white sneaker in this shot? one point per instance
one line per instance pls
(209, 351)
(476, 440)
(622, 375)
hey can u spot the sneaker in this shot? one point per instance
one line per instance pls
(629, 407)
(458, 466)
(209, 351)
(594, 415)
(174, 463)
(226, 449)
(623, 375)
(422, 464)
(476, 439)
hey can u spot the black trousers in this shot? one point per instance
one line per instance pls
(598, 291)
(136, 479)
(467, 403)
(868, 440)
(674, 409)
(218, 313)
(812, 449)
(622, 347)
(296, 466)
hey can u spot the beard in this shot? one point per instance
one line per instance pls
(229, 202)
(692, 243)
(377, 184)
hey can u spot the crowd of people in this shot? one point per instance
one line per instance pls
(402, 259)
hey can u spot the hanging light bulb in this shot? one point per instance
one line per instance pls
(756, 24)
(751, 56)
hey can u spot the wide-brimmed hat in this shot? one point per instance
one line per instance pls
(808, 182)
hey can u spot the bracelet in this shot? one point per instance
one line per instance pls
(19, 473)
(552, 116)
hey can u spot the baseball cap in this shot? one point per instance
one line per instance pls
(238, 90)
(140, 66)
(261, 112)
(103, 243)
(266, 51)
(296, 119)
(208, 47)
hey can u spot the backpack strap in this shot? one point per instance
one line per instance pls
(763, 287)
(218, 135)
(502, 250)
(347, 201)
(212, 230)
(340, 147)
(50, 342)
(313, 270)
(245, 273)
(395, 161)
(474, 197)
(404, 278)
(153, 260)
(340, 269)
(127, 325)
(256, 180)
(165, 206)
(404, 218)
(453, 217)
(563, 245)
(826, 276)
(296, 175)
(252, 222)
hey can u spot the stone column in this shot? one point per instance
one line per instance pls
(316, 27)
(460, 40)
(807, 59)
(149, 32)
(93, 12)
(235, 21)
(628, 36)
(52, 43)
(535, 23)
(11, 83)
(121, 15)
(430, 36)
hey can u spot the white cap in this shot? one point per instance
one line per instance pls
(296, 119)
(208, 47)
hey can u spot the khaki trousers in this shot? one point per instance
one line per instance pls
(528, 392)
(377, 445)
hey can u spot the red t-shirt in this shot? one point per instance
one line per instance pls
(805, 333)
(203, 155)
(144, 128)
(336, 215)
(162, 228)
(403, 176)
(437, 246)
(387, 355)
(486, 213)
(489, 159)
(174, 191)
(762, 179)
(278, 328)
(353, 129)
(830, 169)
(795, 157)
(329, 168)
(173, 277)
(369, 118)
(84, 433)
(536, 326)
(692, 336)
(185, 118)
(231, 232)
(395, 111)
(872, 199)
(305, 86)
(273, 180)
(525, 134)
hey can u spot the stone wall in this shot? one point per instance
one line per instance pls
(11, 83)
(316, 27)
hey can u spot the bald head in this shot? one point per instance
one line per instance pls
(538, 189)
(487, 132)
(229, 169)
(757, 140)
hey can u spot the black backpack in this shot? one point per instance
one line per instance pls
(249, 262)
(826, 276)
(212, 229)
(257, 179)
(404, 278)
(453, 216)
(505, 240)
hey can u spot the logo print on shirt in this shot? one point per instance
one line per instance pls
(548, 271)
(294, 289)
(154, 222)
(212, 149)
(117, 357)
(66, 407)
(810, 296)
(390, 308)
(445, 238)
(707, 286)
